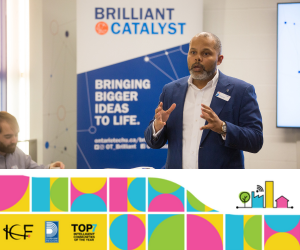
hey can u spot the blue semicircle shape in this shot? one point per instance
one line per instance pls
(88, 203)
(137, 194)
(118, 232)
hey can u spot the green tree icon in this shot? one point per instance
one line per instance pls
(244, 197)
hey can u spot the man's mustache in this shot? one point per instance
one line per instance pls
(198, 65)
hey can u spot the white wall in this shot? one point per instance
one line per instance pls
(36, 75)
(59, 81)
(248, 31)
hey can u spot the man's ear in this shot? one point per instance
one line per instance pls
(220, 59)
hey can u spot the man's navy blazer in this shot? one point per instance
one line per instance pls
(241, 114)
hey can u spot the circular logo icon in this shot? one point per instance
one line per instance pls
(101, 28)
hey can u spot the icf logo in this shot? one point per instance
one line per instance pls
(139, 21)
(51, 232)
(11, 232)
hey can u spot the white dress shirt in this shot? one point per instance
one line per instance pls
(192, 122)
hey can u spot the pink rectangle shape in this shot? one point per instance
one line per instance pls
(118, 194)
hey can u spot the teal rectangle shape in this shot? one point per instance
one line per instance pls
(234, 232)
(40, 194)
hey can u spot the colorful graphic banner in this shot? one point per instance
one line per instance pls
(126, 53)
(145, 213)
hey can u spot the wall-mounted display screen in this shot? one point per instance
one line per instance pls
(288, 65)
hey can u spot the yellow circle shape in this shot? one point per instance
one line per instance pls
(88, 185)
(282, 241)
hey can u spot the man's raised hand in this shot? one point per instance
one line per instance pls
(161, 116)
(214, 122)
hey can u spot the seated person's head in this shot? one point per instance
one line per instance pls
(9, 129)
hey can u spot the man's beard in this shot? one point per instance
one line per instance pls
(7, 149)
(206, 74)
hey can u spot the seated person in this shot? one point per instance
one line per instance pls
(10, 155)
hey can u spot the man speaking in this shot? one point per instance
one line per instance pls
(208, 118)
(11, 157)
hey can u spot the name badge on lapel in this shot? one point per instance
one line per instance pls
(223, 96)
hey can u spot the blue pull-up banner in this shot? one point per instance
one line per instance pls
(126, 54)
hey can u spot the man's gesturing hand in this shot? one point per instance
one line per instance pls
(214, 123)
(162, 116)
(57, 164)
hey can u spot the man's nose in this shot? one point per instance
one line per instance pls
(14, 139)
(198, 58)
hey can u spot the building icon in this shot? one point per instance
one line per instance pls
(267, 200)
(282, 202)
(257, 201)
(269, 194)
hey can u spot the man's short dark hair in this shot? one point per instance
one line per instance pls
(218, 44)
(10, 119)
